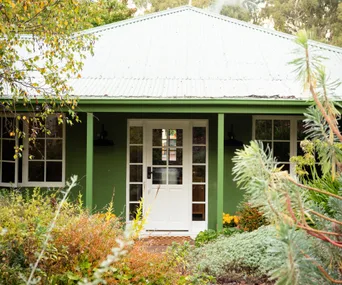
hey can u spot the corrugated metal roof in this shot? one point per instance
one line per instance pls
(191, 53)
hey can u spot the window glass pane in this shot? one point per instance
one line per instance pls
(53, 171)
(263, 129)
(198, 193)
(159, 156)
(135, 173)
(281, 129)
(8, 172)
(54, 149)
(299, 149)
(8, 149)
(198, 212)
(36, 171)
(281, 151)
(136, 154)
(175, 156)
(159, 175)
(176, 175)
(136, 135)
(198, 173)
(198, 154)
(52, 126)
(133, 210)
(135, 192)
(37, 148)
(300, 130)
(159, 137)
(176, 137)
(199, 135)
(8, 127)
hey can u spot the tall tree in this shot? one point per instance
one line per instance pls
(159, 5)
(321, 18)
(103, 12)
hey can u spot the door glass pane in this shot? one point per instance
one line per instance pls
(282, 151)
(36, 171)
(135, 192)
(299, 149)
(54, 149)
(133, 210)
(300, 130)
(176, 175)
(54, 171)
(175, 156)
(198, 154)
(159, 137)
(281, 129)
(37, 148)
(8, 172)
(159, 156)
(136, 154)
(199, 135)
(198, 173)
(135, 173)
(136, 135)
(198, 193)
(176, 137)
(159, 175)
(8, 149)
(263, 129)
(198, 212)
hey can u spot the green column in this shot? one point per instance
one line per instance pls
(220, 169)
(89, 161)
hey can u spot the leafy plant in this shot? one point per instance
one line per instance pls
(250, 217)
(205, 236)
(311, 237)
(252, 251)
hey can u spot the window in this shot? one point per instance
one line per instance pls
(199, 172)
(43, 160)
(281, 134)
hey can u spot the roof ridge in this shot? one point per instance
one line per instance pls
(209, 14)
(264, 29)
(136, 19)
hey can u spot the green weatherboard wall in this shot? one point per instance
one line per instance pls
(110, 161)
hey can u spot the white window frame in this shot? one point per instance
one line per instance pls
(293, 132)
(25, 163)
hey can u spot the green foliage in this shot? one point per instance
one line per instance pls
(249, 250)
(103, 12)
(70, 245)
(236, 12)
(158, 5)
(307, 214)
(205, 236)
(250, 218)
(322, 18)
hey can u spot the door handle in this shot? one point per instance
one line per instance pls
(149, 172)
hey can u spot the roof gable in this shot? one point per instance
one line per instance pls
(191, 53)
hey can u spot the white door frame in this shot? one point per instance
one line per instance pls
(194, 226)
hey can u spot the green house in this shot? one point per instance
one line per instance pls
(165, 102)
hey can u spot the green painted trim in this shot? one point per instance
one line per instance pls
(89, 161)
(270, 101)
(199, 109)
(220, 169)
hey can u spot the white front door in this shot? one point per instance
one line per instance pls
(167, 180)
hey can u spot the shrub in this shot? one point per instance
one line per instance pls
(251, 218)
(78, 241)
(250, 251)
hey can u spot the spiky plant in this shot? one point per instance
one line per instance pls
(312, 237)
